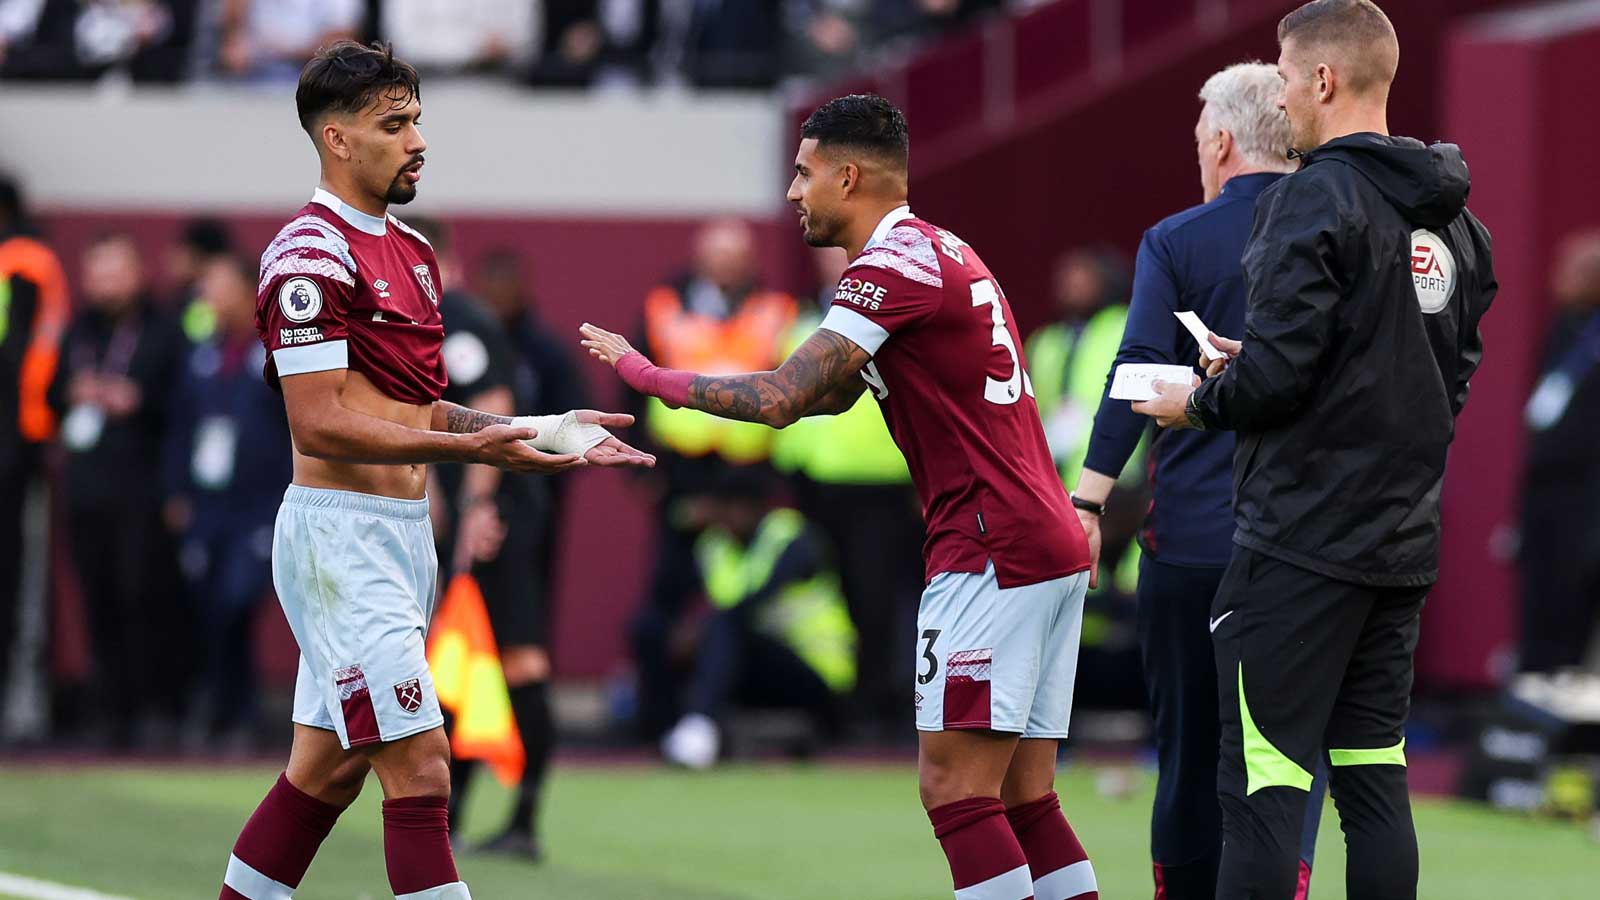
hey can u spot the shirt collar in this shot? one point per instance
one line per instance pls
(894, 217)
(1250, 184)
(374, 225)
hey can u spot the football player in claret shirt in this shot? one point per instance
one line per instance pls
(921, 320)
(347, 307)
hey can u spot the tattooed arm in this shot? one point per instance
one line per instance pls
(457, 419)
(814, 380)
(840, 399)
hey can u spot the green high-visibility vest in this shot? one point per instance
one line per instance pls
(809, 617)
(1069, 372)
(5, 308)
(199, 321)
(853, 447)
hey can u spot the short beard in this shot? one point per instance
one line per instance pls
(820, 232)
(400, 193)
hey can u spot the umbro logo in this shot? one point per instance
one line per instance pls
(382, 287)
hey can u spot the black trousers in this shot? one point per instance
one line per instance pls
(1309, 668)
(877, 534)
(1560, 576)
(229, 573)
(652, 634)
(737, 665)
(1180, 677)
(137, 609)
(13, 494)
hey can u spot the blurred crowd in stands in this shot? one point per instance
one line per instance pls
(557, 43)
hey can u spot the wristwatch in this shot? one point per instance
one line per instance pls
(1089, 506)
(1192, 413)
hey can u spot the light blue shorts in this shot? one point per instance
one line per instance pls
(1002, 659)
(356, 575)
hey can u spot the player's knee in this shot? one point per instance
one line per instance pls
(941, 783)
(1020, 792)
(338, 785)
(345, 782)
(417, 766)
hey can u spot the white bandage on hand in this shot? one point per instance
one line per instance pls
(562, 433)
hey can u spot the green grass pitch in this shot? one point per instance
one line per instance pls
(756, 832)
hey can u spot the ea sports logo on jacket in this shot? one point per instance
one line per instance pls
(1433, 270)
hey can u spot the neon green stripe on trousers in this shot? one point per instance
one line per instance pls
(1265, 765)
(1381, 756)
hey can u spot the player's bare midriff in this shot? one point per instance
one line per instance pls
(406, 482)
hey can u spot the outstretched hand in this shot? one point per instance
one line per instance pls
(604, 345)
(611, 451)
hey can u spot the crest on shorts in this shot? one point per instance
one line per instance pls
(425, 278)
(409, 693)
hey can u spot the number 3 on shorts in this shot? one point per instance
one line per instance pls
(931, 635)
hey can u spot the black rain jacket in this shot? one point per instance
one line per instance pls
(1367, 278)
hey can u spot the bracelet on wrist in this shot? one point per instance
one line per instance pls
(1089, 506)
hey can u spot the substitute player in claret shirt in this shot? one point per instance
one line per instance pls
(920, 320)
(348, 310)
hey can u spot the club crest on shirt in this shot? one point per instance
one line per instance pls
(300, 299)
(409, 694)
(425, 278)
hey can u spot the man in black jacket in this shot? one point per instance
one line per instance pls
(1367, 278)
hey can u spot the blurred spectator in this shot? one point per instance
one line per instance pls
(722, 43)
(33, 314)
(120, 360)
(202, 242)
(463, 35)
(497, 526)
(1560, 548)
(854, 484)
(779, 635)
(1068, 361)
(226, 464)
(1069, 358)
(824, 38)
(270, 40)
(715, 318)
(547, 379)
(585, 42)
(68, 39)
(902, 19)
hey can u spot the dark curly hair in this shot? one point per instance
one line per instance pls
(861, 122)
(349, 76)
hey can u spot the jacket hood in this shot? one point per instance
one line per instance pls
(1427, 183)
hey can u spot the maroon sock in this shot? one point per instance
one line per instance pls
(981, 848)
(416, 844)
(1061, 870)
(278, 843)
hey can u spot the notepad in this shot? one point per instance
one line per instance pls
(1200, 332)
(1135, 381)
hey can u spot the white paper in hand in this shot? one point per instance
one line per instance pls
(1136, 381)
(1200, 332)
